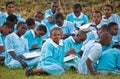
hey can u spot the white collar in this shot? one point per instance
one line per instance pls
(54, 44)
(77, 17)
(6, 14)
(33, 32)
(95, 34)
(103, 18)
(64, 24)
(72, 39)
(17, 37)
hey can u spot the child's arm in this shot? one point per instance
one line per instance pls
(17, 58)
(1, 49)
(89, 62)
(81, 53)
(71, 51)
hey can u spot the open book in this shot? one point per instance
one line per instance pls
(30, 55)
(70, 57)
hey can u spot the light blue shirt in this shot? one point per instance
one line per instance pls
(51, 60)
(93, 51)
(32, 39)
(70, 43)
(67, 27)
(49, 13)
(78, 21)
(110, 60)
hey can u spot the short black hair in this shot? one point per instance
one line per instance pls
(30, 21)
(98, 12)
(111, 24)
(9, 24)
(10, 2)
(42, 28)
(116, 46)
(20, 23)
(59, 15)
(56, 29)
(76, 6)
(108, 5)
(12, 18)
(39, 12)
(104, 27)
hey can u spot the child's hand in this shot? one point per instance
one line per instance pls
(1, 49)
(24, 64)
(72, 51)
(34, 46)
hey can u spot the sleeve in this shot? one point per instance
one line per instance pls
(71, 28)
(9, 44)
(118, 60)
(117, 19)
(89, 36)
(86, 19)
(67, 17)
(95, 53)
(47, 14)
(1, 42)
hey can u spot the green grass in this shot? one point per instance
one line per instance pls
(6, 73)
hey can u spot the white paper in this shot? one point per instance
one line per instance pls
(85, 26)
(70, 57)
(29, 55)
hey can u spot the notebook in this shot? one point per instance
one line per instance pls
(70, 57)
(30, 55)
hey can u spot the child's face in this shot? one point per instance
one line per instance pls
(97, 18)
(80, 38)
(6, 31)
(107, 42)
(107, 11)
(54, 7)
(38, 17)
(39, 33)
(59, 21)
(114, 30)
(77, 12)
(56, 36)
(22, 29)
(10, 8)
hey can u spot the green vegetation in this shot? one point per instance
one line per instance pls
(28, 7)
(6, 73)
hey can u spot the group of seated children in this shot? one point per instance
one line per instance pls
(94, 46)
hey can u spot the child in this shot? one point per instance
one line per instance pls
(66, 26)
(110, 61)
(38, 16)
(15, 46)
(10, 7)
(97, 17)
(30, 23)
(50, 14)
(92, 51)
(77, 17)
(94, 35)
(110, 17)
(35, 37)
(52, 54)
(73, 45)
(6, 29)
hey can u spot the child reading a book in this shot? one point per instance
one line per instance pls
(35, 37)
(73, 45)
(6, 29)
(15, 46)
(92, 51)
(109, 62)
(52, 54)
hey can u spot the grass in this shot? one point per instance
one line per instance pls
(6, 73)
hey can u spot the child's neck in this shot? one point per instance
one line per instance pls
(19, 34)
